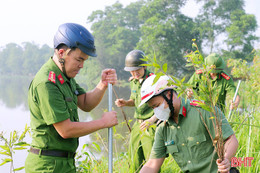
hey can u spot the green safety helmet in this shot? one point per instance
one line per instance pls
(133, 60)
(215, 62)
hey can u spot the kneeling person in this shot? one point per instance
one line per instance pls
(183, 134)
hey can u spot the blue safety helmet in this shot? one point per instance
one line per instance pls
(75, 36)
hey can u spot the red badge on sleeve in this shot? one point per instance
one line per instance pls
(61, 79)
(52, 77)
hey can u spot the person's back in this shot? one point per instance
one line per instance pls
(187, 132)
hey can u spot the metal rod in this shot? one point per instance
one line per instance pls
(234, 99)
(110, 132)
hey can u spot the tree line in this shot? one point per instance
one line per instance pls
(157, 27)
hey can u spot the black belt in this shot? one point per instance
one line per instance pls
(54, 153)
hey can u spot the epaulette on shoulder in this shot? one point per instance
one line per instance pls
(195, 103)
(199, 71)
(52, 77)
(225, 76)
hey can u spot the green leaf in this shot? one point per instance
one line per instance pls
(164, 67)
(18, 169)
(26, 129)
(156, 65)
(194, 45)
(5, 153)
(114, 129)
(205, 107)
(6, 160)
(189, 65)
(146, 65)
(96, 147)
(183, 79)
(144, 59)
(180, 93)
(158, 75)
(23, 144)
(176, 80)
(20, 148)
(4, 147)
(154, 58)
(86, 153)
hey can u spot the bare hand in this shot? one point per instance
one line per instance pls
(145, 125)
(223, 166)
(110, 119)
(109, 76)
(120, 102)
(232, 105)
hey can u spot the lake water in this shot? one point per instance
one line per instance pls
(14, 115)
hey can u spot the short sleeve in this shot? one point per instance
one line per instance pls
(80, 90)
(159, 148)
(51, 103)
(133, 93)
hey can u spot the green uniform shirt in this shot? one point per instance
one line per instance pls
(189, 141)
(223, 83)
(52, 98)
(143, 112)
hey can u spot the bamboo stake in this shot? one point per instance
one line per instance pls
(129, 128)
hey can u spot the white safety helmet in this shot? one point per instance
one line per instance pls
(149, 90)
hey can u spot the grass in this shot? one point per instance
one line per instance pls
(249, 139)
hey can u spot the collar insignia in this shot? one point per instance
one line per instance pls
(184, 111)
(61, 79)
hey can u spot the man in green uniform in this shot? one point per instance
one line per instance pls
(142, 137)
(54, 97)
(220, 80)
(183, 133)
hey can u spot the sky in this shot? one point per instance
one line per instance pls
(37, 21)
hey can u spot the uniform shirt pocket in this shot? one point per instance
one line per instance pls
(171, 149)
(199, 146)
(174, 151)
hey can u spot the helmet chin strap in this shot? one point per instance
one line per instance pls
(169, 102)
(62, 62)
